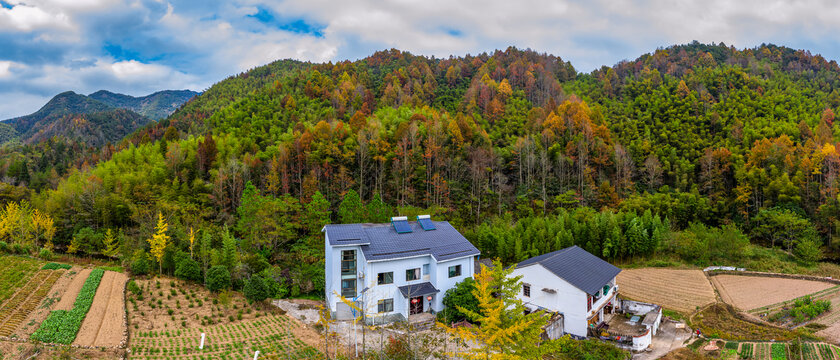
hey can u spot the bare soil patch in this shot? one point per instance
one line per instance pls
(751, 292)
(680, 290)
(104, 324)
(36, 317)
(72, 291)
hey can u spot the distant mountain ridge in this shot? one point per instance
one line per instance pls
(96, 119)
(155, 106)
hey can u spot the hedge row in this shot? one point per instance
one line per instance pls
(62, 326)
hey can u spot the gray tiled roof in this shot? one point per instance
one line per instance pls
(578, 267)
(421, 289)
(382, 242)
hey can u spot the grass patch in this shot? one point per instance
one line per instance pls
(719, 321)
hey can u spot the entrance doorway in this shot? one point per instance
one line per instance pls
(415, 305)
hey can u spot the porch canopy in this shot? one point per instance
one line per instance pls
(421, 289)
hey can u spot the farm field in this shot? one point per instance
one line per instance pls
(680, 290)
(754, 292)
(16, 272)
(167, 316)
(273, 336)
(25, 300)
(104, 324)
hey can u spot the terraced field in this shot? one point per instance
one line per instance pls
(16, 272)
(16, 309)
(272, 335)
(680, 290)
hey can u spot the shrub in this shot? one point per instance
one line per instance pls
(45, 254)
(460, 295)
(218, 278)
(140, 263)
(256, 289)
(188, 269)
(132, 286)
(4, 247)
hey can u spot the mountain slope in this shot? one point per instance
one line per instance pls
(61, 105)
(155, 106)
(7, 133)
(695, 133)
(79, 118)
(94, 129)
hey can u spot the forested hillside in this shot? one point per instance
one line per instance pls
(693, 150)
(154, 106)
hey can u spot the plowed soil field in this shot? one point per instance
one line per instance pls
(104, 324)
(751, 292)
(681, 290)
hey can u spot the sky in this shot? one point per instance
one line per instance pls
(137, 47)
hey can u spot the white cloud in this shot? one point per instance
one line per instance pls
(161, 44)
(28, 18)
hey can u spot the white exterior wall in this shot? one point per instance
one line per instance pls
(398, 267)
(332, 272)
(568, 300)
(444, 282)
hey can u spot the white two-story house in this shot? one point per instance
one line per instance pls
(569, 282)
(394, 270)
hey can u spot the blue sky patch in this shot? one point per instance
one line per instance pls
(295, 25)
(453, 32)
(5, 5)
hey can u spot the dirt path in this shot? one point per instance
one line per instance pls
(104, 324)
(69, 297)
(36, 317)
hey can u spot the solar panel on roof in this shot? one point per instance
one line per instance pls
(426, 224)
(401, 226)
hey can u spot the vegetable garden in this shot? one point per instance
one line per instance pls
(63, 326)
(272, 335)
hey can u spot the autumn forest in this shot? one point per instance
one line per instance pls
(702, 154)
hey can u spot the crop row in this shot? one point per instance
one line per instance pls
(273, 336)
(62, 326)
(273, 346)
(25, 301)
(778, 351)
(56, 266)
(16, 271)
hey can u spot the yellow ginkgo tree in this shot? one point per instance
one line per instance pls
(159, 240)
(112, 244)
(503, 330)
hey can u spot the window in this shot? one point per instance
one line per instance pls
(412, 274)
(526, 290)
(348, 288)
(348, 263)
(454, 271)
(386, 305)
(425, 269)
(385, 278)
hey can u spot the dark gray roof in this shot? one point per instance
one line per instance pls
(578, 267)
(421, 289)
(382, 242)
